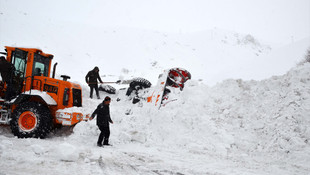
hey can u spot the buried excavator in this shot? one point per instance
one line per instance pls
(140, 88)
(32, 101)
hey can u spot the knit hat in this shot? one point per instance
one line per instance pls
(107, 98)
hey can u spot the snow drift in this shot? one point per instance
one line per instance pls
(234, 127)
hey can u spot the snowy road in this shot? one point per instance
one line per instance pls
(67, 155)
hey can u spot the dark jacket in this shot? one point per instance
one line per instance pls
(103, 115)
(6, 70)
(92, 76)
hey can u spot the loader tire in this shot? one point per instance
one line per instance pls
(137, 84)
(143, 83)
(31, 120)
(108, 89)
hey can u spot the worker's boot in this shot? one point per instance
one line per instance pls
(106, 142)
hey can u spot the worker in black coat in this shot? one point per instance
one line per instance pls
(91, 79)
(103, 121)
(6, 70)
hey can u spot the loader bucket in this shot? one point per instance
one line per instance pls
(70, 118)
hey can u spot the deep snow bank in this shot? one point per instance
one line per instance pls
(233, 119)
(235, 127)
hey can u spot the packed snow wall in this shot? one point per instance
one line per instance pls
(233, 118)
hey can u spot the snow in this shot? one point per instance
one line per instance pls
(47, 98)
(234, 127)
(245, 111)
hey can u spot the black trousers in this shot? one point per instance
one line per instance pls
(10, 92)
(104, 135)
(92, 87)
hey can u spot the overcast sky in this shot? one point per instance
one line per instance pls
(281, 21)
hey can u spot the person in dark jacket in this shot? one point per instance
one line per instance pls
(103, 121)
(91, 80)
(6, 70)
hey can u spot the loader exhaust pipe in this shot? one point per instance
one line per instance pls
(54, 70)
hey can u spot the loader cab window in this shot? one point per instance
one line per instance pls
(40, 65)
(19, 61)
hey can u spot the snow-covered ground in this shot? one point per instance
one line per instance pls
(245, 111)
(234, 127)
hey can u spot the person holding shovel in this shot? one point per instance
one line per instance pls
(91, 79)
(103, 121)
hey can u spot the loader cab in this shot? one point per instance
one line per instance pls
(27, 64)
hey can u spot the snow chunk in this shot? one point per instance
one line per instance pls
(47, 98)
(71, 110)
(67, 152)
(85, 128)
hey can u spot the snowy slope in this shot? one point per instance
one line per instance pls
(121, 52)
(211, 55)
(234, 127)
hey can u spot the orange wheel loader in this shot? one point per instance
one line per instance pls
(32, 101)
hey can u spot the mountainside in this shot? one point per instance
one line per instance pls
(120, 53)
